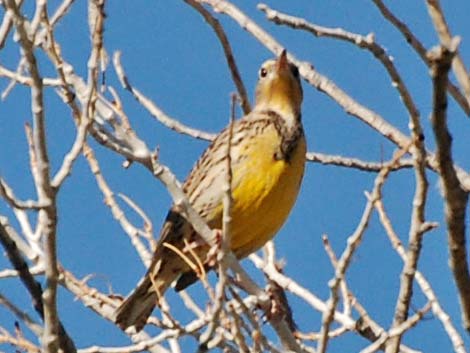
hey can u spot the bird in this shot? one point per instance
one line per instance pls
(267, 156)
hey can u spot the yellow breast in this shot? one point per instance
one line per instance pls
(264, 185)
(264, 191)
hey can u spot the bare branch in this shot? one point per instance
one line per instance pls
(227, 202)
(180, 200)
(417, 221)
(103, 305)
(364, 42)
(117, 212)
(19, 341)
(257, 333)
(415, 245)
(96, 15)
(399, 330)
(20, 314)
(155, 111)
(219, 31)
(348, 322)
(346, 294)
(315, 336)
(442, 29)
(7, 193)
(21, 244)
(147, 230)
(33, 287)
(6, 25)
(72, 155)
(141, 346)
(35, 271)
(456, 198)
(323, 84)
(420, 49)
(425, 286)
(352, 244)
(355, 163)
(47, 217)
(26, 80)
(232, 318)
(415, 242)
(61, 11)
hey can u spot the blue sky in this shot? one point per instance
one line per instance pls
(174, 58)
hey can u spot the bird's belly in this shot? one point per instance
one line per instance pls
(264, 192)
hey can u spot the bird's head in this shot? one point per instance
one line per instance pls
(279, 87)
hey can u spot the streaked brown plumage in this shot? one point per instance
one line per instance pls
(268, 158)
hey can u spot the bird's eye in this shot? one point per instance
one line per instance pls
(294, 70)
(263, 72)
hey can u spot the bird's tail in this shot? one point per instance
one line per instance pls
(138, 306)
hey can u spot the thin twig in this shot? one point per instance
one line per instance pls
(292, 286)
(438, 311)
(420, 50)
(25, 248)
(116, 211)
(33, 286)
(398, 331)
(344, 288)
(315, 336)
(69, 159)
(219, 31)
(352, 244)
(190, 304)
(23, 316)
(147, 228)
(415, 234)
(26, 80)
(152, 108)
(6, 25)
(239, 338)
(445, 37)
(365, 42)
(355, 163)
(35, 271)
(417, 221)
(20, 342)
(7, 193)
(253, 319)
(102, 304)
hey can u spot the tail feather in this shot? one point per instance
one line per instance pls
(136, 309)
(138, 306)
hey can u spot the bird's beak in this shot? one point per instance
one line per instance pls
(282, 63)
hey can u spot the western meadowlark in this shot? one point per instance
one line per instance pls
(267, 162)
